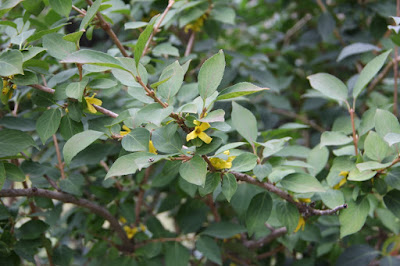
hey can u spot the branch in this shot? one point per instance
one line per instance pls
(303, 208)
(156, 28)
(271, 253)
(68, 198)
(107, 28)
(275, 233)
(190, 43)
(60, 163)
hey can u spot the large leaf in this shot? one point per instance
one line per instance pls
(392, 202)
(332, 198)
(229, 186)
(167, 139)
(237, 90)
(79, 142)
(353, 218)
(137, 140)
(62, 7)
(93, 57)
(357, 255)
(175, 75)
(48, 123)
(210, 75)
(11, 63)
(386, 122)
(224, 230)
(375, 147)
(356, 48)
(329, 85)
(287, 214)
(209, 248)
(244, 162)
(301, 183)
(58, 47)
(14, 141)
(244, 122)
(176, 255)
(194, 171)
(14, 173)
(318, 157)
(369, 72)
(258, 212)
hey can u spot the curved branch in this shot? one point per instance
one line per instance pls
(304, 209)
(126, 246)
(265, 240)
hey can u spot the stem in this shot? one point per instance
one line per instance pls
(151, 93)
(60, 163)
(139, 204)
(214, 210)
(68, 198)
(355, 138)
(271, 253)
(275, 233)
(190, 44)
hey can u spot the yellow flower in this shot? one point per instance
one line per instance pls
(122, 220)
(90, 101)
(343, 180)
(5, 83)
(305, 200)
(130, 232)
(14, 86)
(126, 130)
(198, 132)
(219, 163)
(152, 149)
(301, 224)
(142, 227)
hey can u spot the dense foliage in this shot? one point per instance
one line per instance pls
(199, 132)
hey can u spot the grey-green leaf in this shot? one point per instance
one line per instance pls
(287, 214)
(329, 85)
(194, 171)
(239, 89)
(62, 7)
(209, 248)
(11, 63)
(137, 140)
(48, 123)
(141, 43)
(244, 122)
(210, 75)
(301, 183)
(90, 13)
(353, 218)
(258, 212)
(229, 186)
(79, 142)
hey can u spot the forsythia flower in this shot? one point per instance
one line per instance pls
(90, 101)
(301, 224)
(126, 130)
(343, 181)
(7, 86)
(196, 25)
(130, 232)
(219, 163)
(142, 227)
(198, 132)
(305, 200)
(152, 149)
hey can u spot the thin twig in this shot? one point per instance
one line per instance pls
(355, 137)
(157, 27)
(270, 253)
(380, 77)
(107, 28)
(68, 198)
(60, 163)
(275, 233)
(52, 183)
(139, 202)
(190, 43)
(214, 210)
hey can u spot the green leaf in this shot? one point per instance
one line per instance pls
(229, 146)
(79, 142)
(212, 181)
(210, 75)
(329, 86)
(2, 176)
(288, 215)
(388, 220)
(208, 148)
(223, 230)
(73, 184)
(244, 122)
(301, 183)
(14, 141)
(194, 171)
(165, 49)
(357, 255)
(392, 202)
(240, 89)
(27, 78)
(229, 186)
(69, 127)
(33, 6)
(244, 162)
(386, 122)
(129, 164)
(141, 43)
(372, 165)
(57, 47)
(353, 218)
(375, 147)
(39, 34)
(273, 146)
(317, 158)
(258, 212)
(14, 173)
(74, 37)
(90, 13)
(392, 138)
(332, 198)
(137, 140)
(134, 25)
(356, 48)
(167, 139)
(224, 14)
(262, 171)
(6, 5)
(214, 116)
(334, 138)
(32, 229)
(92, 57)
(176, 255)
(11, 63)
(175, 74)
(209, 248)
(48, 123)
(62, 7)
(153, 113)
(369, 72)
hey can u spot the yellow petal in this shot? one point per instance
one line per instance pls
(341, 183)
(96, 101)
(152, 149)
(226, 152)
(142, 227)
(228, 165)
(191, 135)
(122, 220)
(204, 126)
(301, 224)
(344, 173)
(204, 137)
(197, 123)
(305, 200)
(230, 159)
(91, 108)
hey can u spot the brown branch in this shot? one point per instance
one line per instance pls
(303, 208)
(271, 253)
(190, 43)
(107, 28)
(214, 210)
(151, 93)
(297, 116)
(52, 183)
(43, 88)
(139, 203)
(381, 75)
(275, 233)
(162, 240)
(60, 163)
(105, 111)
(68, 198)
(157, 27)
(355, 137)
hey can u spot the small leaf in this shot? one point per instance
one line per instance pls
(176, 255)
(57, 47)
(386, 122)
(134, 25)
(194, 171)
(2, 175)
(244, 162)
(14, 141)
(214, 116)
(356, 48)
(258, 212)
(74, 37)
(392, 138)
(141, 43)
(209, 248)
(369, 72)
(288, 215)
(14, 173)
(48, 123)
(62, 7)
(223, 230)
(262, 171)
(90, 13)
(137, 140)
(334, 138)
(92, 57)
(210, 75)
(244, 122)
(79, 142)
(332, 198)
(73, 184)
(329, 85)
(32, 229)
(318, 157)
(375, 147)
(357, 255)
(229, 186)
(301, 183)
(240, 89)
